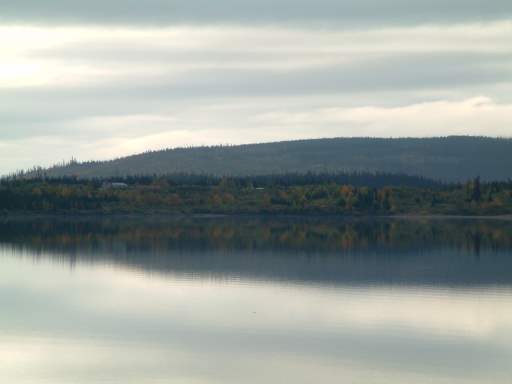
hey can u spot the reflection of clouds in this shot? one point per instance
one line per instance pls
(120, 322)
(463, 313)
(27, 360)
(80, 360)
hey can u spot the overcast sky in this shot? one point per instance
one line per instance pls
(102, 79)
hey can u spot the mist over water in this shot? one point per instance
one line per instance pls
(251, 300)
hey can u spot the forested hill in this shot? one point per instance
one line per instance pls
(455, 158)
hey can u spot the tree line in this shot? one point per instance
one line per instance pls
(324, 193)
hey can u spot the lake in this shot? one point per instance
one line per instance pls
(255, 300)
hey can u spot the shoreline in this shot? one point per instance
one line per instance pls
(209, 216)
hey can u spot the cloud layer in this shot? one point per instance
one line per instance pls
(348, 12)
(96, 83)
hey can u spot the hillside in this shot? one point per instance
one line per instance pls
(455, 158)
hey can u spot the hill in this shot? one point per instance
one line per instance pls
(454, 158)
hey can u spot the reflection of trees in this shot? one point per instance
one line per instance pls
(318, 235)
(451, 252)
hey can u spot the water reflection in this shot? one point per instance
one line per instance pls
(452, 252)
(255, 300)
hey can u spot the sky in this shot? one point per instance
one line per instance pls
(104, 79)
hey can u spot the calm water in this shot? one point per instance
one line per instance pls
(126, 300)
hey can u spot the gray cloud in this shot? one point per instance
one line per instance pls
(152, 93)
(338, 12)
(123, 76)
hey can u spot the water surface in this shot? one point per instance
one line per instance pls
(252, 300)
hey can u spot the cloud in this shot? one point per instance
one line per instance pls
(102, 91)
(109, 136)
(479, 116)
(238, 61)
(162, 12)
(58, 56)
(79, 72)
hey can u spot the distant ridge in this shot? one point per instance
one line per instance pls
(452, 158)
